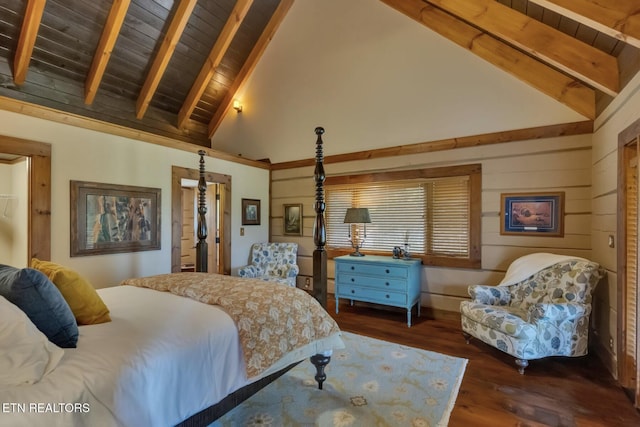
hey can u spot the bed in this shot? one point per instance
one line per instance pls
(176, 351)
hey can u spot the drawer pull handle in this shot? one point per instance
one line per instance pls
(353, 267)
(387, 296)
(353, 280)
(352, 291)
(387, 271)
(387, 283)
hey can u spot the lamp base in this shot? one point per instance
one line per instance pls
(356, 252)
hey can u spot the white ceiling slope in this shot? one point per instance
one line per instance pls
(373, 78)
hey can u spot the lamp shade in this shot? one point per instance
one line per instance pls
(357, 216)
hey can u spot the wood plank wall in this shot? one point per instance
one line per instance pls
(549, 164)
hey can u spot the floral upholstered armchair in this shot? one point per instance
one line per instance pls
(273, 262)
(540, 309)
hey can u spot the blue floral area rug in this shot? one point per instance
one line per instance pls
(369, 383)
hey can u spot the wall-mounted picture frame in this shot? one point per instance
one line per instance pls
(250, 212)
(532, 214)
(292, 220)
(111, 218)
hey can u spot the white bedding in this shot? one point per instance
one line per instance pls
(152, 365)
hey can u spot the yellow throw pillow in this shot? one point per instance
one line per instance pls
(84, 301)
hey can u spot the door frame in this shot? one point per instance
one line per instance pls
(625, 373)
(39, 170)
(177, 175)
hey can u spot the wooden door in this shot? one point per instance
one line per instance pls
(627, 286)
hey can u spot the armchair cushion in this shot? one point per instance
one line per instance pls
(490, 295)
(248, 271)
(509, 320)
(558, 312)
(275, 262)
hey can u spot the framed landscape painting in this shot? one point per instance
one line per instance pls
(110, 218)
(533, 214)
(292, 220)
(250, 212)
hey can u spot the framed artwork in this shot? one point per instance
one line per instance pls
(110, 218)
(250, 212)
(533, 214)
(292, 220)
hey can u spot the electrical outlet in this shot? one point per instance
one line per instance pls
(307, 283)
(610, 343)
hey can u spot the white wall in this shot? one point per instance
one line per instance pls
(373, 78)
(85, 155)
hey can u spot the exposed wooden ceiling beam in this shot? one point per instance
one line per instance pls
(617, 18)
(540, 132)
(28, 34)
(552, 46)
(213, 61)
(250, 63)
(559, 86)
(108, 39)
(168, 46)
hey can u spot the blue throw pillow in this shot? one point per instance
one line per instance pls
(42, 302)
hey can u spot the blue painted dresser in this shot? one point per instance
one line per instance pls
(379, 280)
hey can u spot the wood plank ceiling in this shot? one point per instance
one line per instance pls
(166, 67)
(172, 67)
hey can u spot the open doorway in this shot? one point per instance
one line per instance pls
(183, 217)
(37, 156)
(189, 239)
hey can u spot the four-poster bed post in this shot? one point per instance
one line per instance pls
(201, 247)
(319, 231)
(320, 360)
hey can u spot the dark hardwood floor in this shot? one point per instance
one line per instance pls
(552, 392)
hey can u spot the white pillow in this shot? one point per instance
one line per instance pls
(26, 355)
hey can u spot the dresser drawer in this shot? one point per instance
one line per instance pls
(373, 270)
(372, 295)
(399, 285)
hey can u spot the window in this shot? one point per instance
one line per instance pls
(435, 211)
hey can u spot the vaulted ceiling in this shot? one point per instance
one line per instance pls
(172, 68)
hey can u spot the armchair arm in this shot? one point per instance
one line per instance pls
(490, 295)
(558, 312)
(248, 271)
(293, 270)
(286, 270)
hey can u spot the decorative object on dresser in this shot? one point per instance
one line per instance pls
(380, 280)
(353, 217)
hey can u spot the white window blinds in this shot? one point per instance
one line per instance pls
(431, 215)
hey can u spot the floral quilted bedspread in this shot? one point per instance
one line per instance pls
(272, 319)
